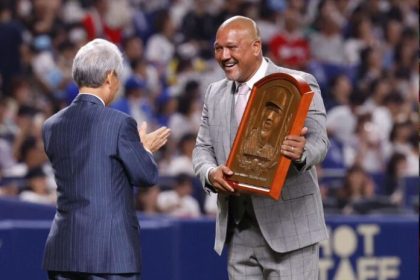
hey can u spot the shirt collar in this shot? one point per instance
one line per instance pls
(257, 76)
(93, 95)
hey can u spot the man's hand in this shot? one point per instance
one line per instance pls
(154, 140)
(216, 178)
(293, 145)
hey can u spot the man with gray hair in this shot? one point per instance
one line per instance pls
(98, 155)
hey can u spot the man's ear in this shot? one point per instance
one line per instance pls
(108, 78)
(256, 46)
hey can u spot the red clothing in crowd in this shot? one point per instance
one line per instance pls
(290, 50)
(96, 28)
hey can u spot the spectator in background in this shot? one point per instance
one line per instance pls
(366, 148)
(187, 117)
(9, 190)
(179, 202)
(362, 38)
(406, 65)
(146, 200)
(148, 73)
(228, 9)
(25, 118)
(413, 157)
(166, 107)
(394, 178)
(392, 35)
(32, 153)
(342, 119)
(44, 18)
(375, 105)
(182, 162)
(378, 90)
(289, 47)
(182, 71)
(198, 27)
(210, 204)
(135, 101)
(339, 92)
(140, 25)
(268, 21)
(10, 49)
(8, 127)
(44, 64)
(133, 48)
(96, 22)
(29, 153)
(66, 52)
(370, 68)
(327, 44)
(136, 64)
(371, 9)
(334, 161)
(36, 189)
(160, 48)
(7, 160)
(8, 132)
(403, 140)
(77, 35)
(357, 186)
(22, 94)
(398, 107)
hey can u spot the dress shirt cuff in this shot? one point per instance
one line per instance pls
(207, 175)
(302, 158)
(208, 186)
(300, 163)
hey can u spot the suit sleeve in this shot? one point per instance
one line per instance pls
(138, 163)
(204, 157)
(316, 139)
(45, 136)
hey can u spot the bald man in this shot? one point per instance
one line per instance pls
(267, 239)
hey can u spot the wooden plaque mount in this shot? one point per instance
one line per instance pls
(277, 107)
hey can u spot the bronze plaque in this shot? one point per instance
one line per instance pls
(277, 107)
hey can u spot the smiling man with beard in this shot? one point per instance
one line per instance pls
(267, 239)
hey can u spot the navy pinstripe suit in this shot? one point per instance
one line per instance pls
(97, 157)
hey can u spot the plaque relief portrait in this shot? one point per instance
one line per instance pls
(260, 148)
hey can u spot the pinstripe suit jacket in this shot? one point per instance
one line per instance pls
(97, 157)
(297, 219)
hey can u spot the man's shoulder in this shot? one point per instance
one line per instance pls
(55, 117)
(291, 71)
(69, 114)
(273, 68)
(120, 115)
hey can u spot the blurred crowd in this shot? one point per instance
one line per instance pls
(364, 55)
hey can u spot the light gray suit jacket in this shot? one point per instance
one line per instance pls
(297, 219)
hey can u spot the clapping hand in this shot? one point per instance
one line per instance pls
(154, 140)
